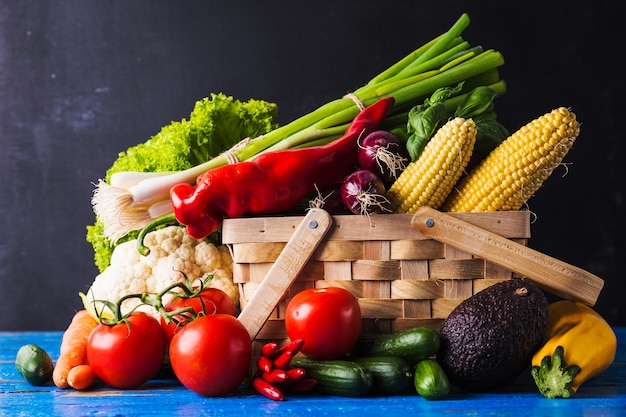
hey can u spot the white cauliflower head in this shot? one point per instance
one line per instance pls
(173, 254)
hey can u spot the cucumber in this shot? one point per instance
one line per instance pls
(411, 345)
(431, 381)
(34, 364)
(337, 377)
(392, 375)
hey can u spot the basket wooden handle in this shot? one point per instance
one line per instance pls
(553, 275)
(285, 269)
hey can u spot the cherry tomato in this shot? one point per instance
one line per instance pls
(211, 354)
(214, 301)
(126, 355)
(327, 319)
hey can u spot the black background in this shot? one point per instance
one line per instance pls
(81, 81)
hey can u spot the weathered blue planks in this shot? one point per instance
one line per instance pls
(603, 396)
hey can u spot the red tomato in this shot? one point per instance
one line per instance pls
(211, 354)
(327, 319)
(213, 300)
(126, 355)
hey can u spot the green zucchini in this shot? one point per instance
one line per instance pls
(34, 364)
(431, 381)
(392, 375)
(411, 345)
(337, 377)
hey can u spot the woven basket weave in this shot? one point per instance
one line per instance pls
(402, 278)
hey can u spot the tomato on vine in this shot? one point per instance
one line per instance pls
(211, 354)
(327, 319)
(127, 353)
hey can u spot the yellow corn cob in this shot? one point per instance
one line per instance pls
(516, 169)
(428, 180)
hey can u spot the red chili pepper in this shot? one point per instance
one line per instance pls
(275, 376)
(304, 385)
(295, 374)
(283, 360)
(269, 349)
(267, 389)
(264, 364)
(273, 181)
(286, 354)
(293, 346)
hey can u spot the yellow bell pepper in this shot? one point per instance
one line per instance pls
(580, 345)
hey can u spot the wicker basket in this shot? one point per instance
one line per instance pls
(402, 278)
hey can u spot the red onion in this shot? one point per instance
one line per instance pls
(330, 200)
(363, 192)
(383, 153)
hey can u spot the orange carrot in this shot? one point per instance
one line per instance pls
(60, 372)
(73, 350)
(81, 377)
(74, 342)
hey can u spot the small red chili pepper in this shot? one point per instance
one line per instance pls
(293, 346)
(273, 181)
(295, 374)
(304, 385)
(286, 354)
(267, 389)
(269, 349)
(283, 360)
(275, 376)
(264, 364)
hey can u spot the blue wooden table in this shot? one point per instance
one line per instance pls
(603, 396)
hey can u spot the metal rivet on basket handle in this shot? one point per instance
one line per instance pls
(555, 276)
(285, 269)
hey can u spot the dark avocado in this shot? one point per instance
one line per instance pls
(490, 338)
